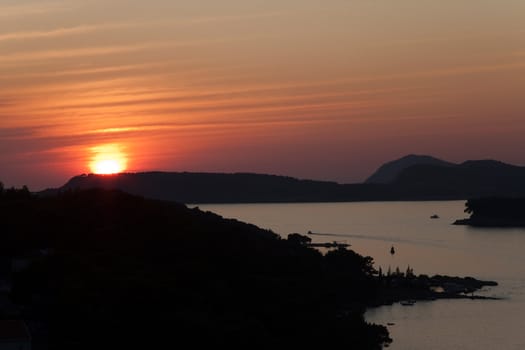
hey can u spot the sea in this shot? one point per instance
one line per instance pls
(428, 246)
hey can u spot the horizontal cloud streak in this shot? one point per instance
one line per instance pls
(36, 8)
(90, 28)
(97, 51)
(60, 32)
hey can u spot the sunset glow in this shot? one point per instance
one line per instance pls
(319, 90)
(108, 159)
(110, 166)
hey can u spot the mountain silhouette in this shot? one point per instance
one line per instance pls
(409, 178)
(211, 187)
(388, 172)
(465, 180)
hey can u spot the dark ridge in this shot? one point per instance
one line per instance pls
(92, 267)
(437, 181)
(388, 172)
(469, 179)
(106, 267)
(224, 188)
(487, 163)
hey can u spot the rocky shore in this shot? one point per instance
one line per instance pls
(399, 288)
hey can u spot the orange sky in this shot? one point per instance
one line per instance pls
(312, 89)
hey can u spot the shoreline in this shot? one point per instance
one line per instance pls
(494, 223)
(424, 288)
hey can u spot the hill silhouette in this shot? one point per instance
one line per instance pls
(432, 179)
(470, 179)
(225, 188)
(108, 269)
(388, 172)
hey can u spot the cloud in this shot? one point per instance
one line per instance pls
(89, 28)
(78, 52)
(461, 70)
(242, 17)
(33, 56)
(36, 8)
(59, 32)
(17, 132)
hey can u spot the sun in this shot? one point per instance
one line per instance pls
(108, 159)
(109, 166)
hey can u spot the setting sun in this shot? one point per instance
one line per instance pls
(109, 166)
(108, 159)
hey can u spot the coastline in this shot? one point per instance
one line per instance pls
(495, 223)
(424, 288)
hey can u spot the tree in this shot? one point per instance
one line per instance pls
(469, 206)
(410, 272)
(299, 239)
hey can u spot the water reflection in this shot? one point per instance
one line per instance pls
(428, 246)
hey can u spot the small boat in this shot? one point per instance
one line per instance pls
(407, 302)
(435, 216)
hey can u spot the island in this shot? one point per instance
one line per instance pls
(495, 212)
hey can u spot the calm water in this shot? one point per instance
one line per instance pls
(428, 246)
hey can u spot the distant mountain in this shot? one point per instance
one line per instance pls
(220, 187)
(409, 178)
(466, 180)
(226, 188)
(388, 172)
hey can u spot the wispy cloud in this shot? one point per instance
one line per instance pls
(20, 132)
(60, 32)
(460, 70)
(247, 97)
(89, 28)
(89, 71)
(36, 8)
(71, 53)
(98, 51)
(241, 17)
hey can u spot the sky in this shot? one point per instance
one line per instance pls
(324, 90)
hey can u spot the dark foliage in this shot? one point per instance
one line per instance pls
(296, 238)
(495, 211)
(12, 193)
(123, 271)
(496, 207)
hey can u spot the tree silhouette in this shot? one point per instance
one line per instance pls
(299, 239)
